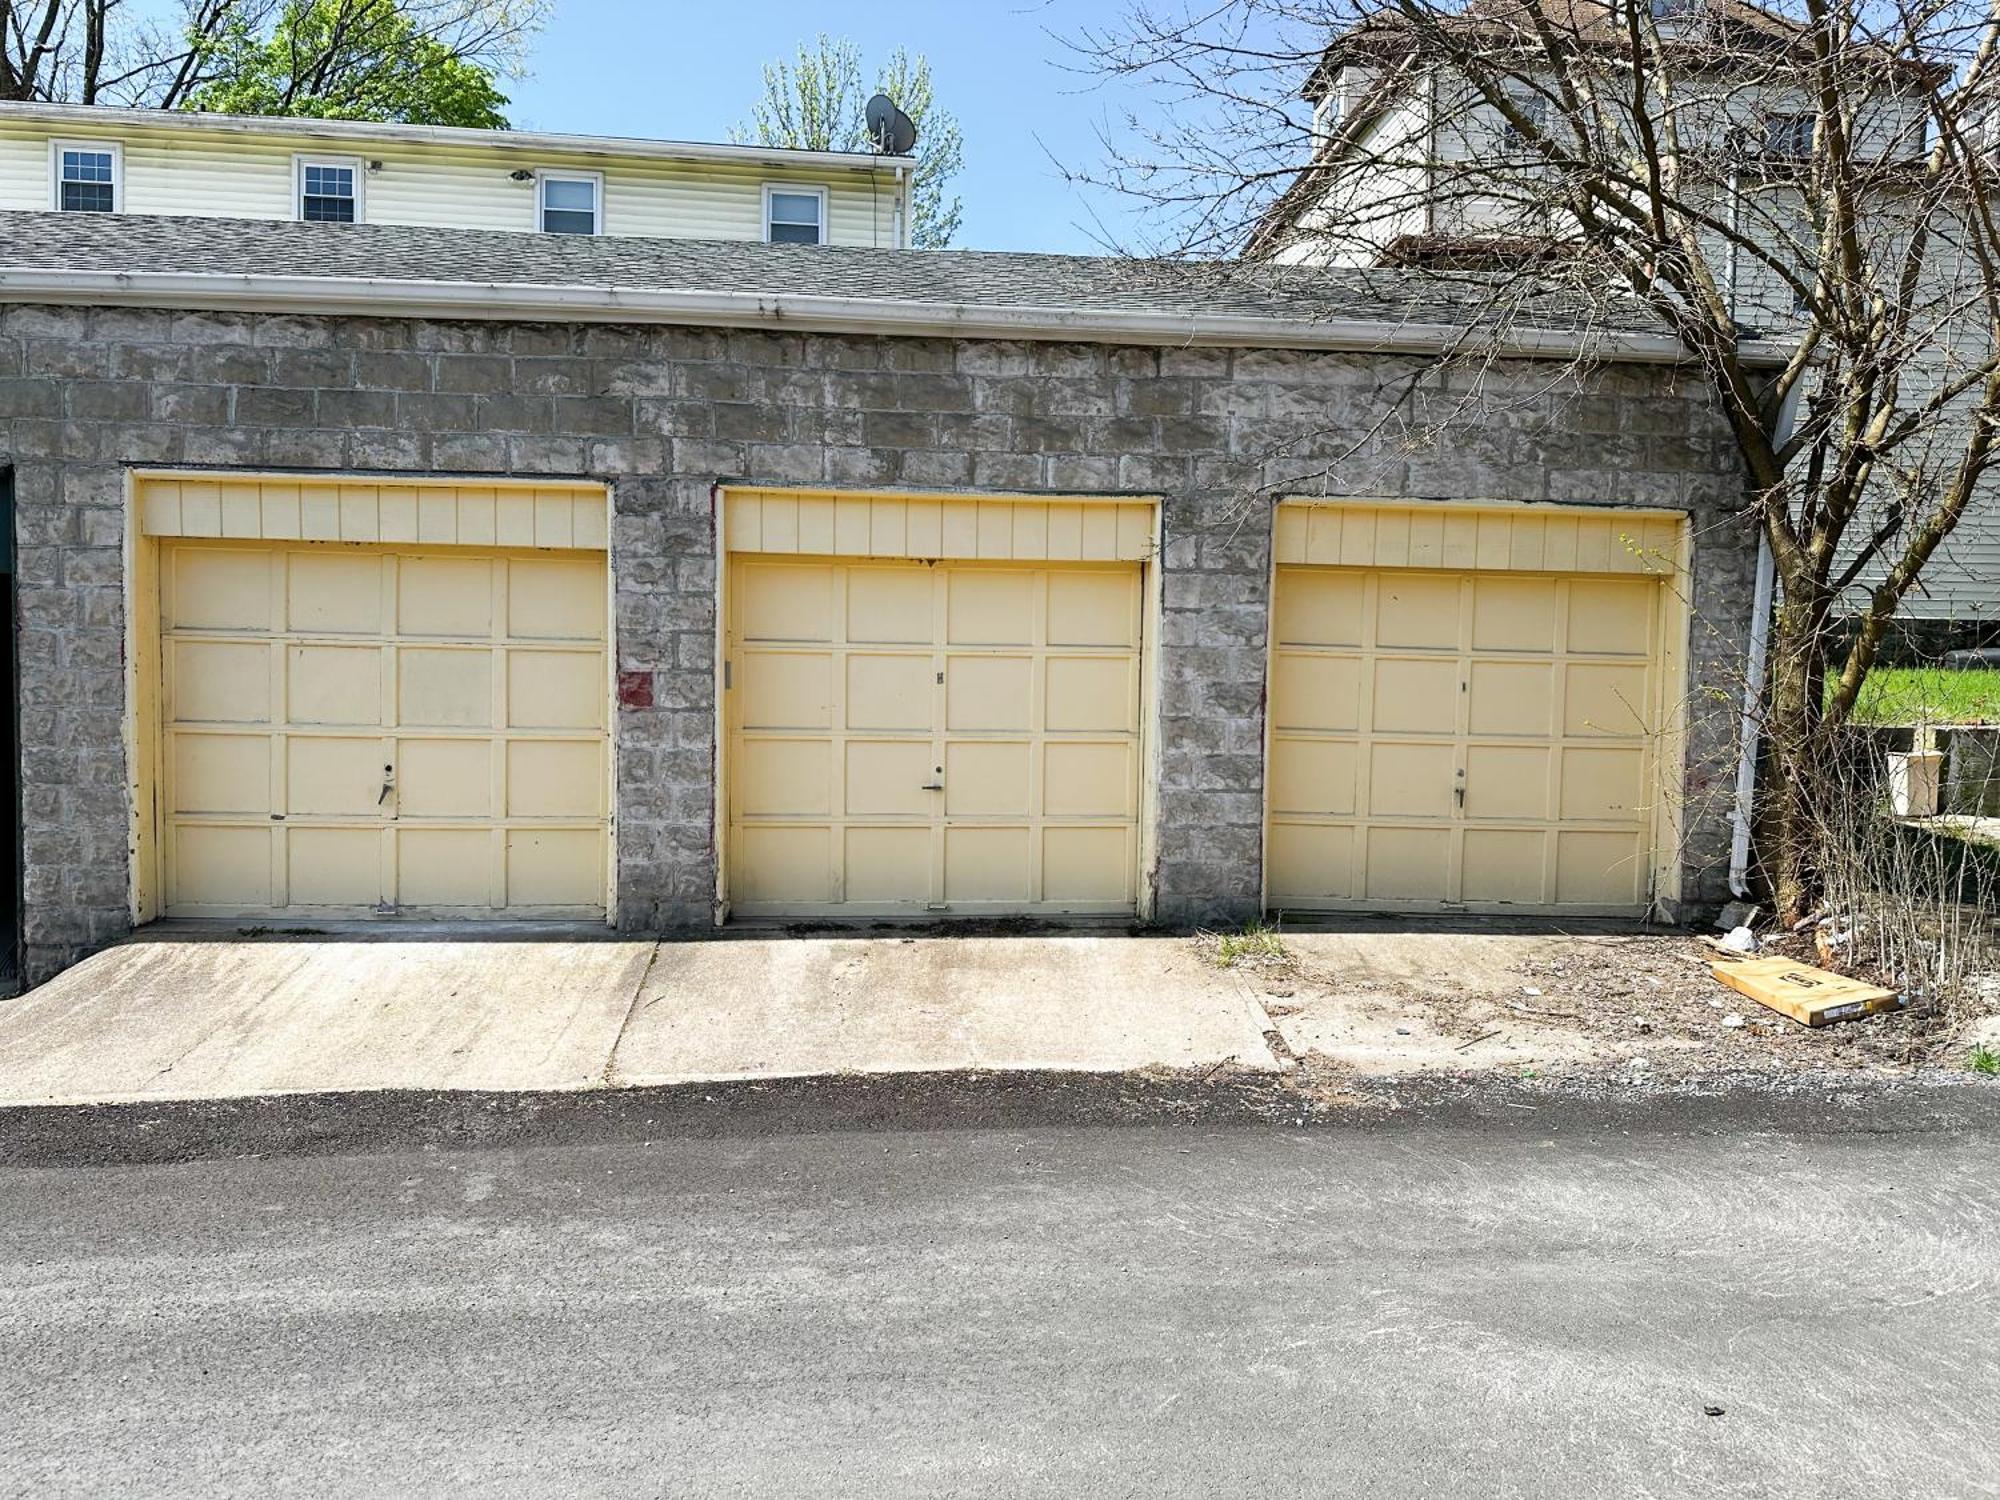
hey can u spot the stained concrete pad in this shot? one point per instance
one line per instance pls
(171, 1019)
(179, 1017)
(789, 1007)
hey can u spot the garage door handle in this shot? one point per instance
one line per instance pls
(933, 786)
(388, 784)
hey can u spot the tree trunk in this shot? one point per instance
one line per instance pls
(1792, 726)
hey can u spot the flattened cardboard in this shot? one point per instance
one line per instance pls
(1810, 996)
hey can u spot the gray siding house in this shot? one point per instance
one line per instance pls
(368, 573)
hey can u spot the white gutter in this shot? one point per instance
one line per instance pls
(1756, 662)
(93, 119)
(381, 297)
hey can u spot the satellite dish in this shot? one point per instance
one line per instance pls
(892, 131)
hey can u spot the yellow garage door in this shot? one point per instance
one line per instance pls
(1476, 741)
(354, 730)
(946, 737)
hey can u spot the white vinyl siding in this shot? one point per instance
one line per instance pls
(170, 170)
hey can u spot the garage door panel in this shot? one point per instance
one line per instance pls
(555, 779)
(1494, 728)
(216, 588)
(1602, 699)
(1611, 616)
(986, 778)
(1316, 692)
(333, 684)
(1409, 779)
(1511, 697)
(892, 607)
(1603, 783)
(445, 596)
(1416, 609)
(1090, 694)
(785, 603)
(1514, 614)
(778, 864)
(219, 682)
(887, 864)
(786, 689)
(1087, 865)
(555, 866)
(986, 865)
(1416, 696)
(889, 691)
(887, 778)
(224, 867)
(989, 608)
(1319, 607)
(555, 689)
(329, 776)
(786, 778)
(333, 593)
(1085, 780)
(1310, 862)
(374, 664)
(221, 773)
(1507, 781)
(1093, 609)
(1313, 776)
(437, 688)
(444, 866)
(555, 599)
(1407, 863)
(445, 778)
(334, 866)
(1599, 869)
(1504, 866)
(993, 693)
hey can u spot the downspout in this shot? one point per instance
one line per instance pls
(1756, 662)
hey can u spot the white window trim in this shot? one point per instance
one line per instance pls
(117, 150)
(564, 174)
(316, 159)
(803, 190)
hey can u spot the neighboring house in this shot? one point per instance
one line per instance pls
(85, 159)
(372, 571)
(1410, 167)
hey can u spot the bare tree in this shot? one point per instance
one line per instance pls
(1809, 171)
(162, 56)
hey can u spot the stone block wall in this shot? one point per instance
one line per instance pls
(665, 414)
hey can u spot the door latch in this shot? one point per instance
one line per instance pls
(938, 785)
(1458, 791)
(388, 784)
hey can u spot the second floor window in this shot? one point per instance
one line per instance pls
(1535, 110)
(86, 179)
(794, 218)
(1789, 136)
(327, 192)
(569, 205)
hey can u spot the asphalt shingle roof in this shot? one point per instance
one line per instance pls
(130, 243)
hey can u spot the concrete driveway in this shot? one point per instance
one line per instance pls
(170, 1018)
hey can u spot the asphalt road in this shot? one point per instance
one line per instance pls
(1143, 1311)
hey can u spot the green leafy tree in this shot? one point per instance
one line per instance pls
(350, 60)
(426, 61)
(815, 101)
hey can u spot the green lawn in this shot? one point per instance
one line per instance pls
(1929, 695)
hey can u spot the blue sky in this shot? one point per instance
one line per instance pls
(689, 72)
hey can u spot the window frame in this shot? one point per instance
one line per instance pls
(114, 149)
(803, 190)
(1535, 106)
(354, 164)
(565, 174)
(1800, 136)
